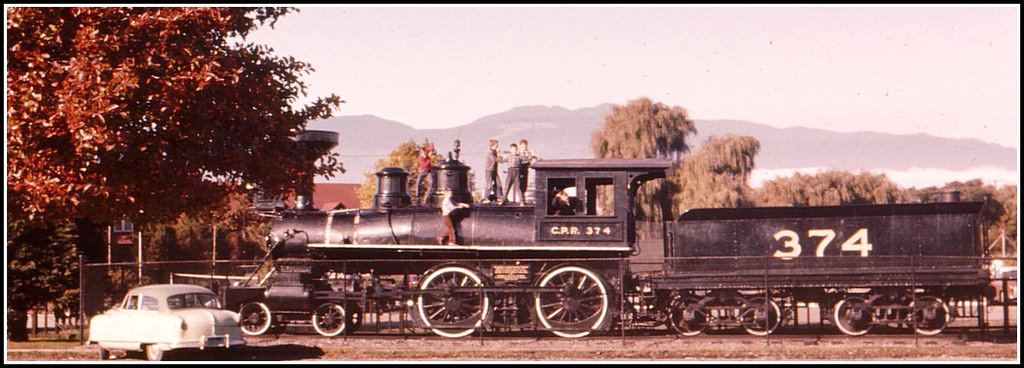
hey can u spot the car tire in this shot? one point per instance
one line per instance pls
(154, 353)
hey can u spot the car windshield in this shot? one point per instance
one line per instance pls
(193, 300)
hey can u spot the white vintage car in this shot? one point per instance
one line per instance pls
(158, 318)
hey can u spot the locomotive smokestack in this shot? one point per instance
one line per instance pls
(391, 188)
(313, 144)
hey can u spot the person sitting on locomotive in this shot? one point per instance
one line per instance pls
(561, 204)
(448, 207)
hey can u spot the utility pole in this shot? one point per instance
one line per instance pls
(140, 257)
(109, 240)
(213, 257)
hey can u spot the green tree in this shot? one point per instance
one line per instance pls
(644, 129)
(191, 236)
(148, 112)
(42, 266)
(717, 175)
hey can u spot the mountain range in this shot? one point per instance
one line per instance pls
(557, 132)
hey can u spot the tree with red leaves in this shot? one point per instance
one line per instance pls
(144, 113)
(149, 112)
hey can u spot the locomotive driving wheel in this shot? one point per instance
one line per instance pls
(254, 318)
(450, 312)
(579, 306)
(931, 315)
(329, 319)
(687, 316)
(853, 316)
(760, 318)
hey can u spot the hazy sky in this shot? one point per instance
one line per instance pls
(947, 71)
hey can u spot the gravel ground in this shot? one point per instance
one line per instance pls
(809, 341)
(957, 346)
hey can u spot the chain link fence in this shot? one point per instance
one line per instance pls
(385, 292)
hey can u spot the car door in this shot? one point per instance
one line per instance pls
(122, 321)
(145, 319)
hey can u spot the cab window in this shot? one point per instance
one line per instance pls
(600, 197)
(562, 199)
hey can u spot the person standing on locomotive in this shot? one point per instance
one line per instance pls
(525, 158)
(448, 207)
(512, 175)
(425, 167)
(493, 192)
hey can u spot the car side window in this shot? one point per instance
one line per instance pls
(209, 301)
(193, 300)
(149, 303)
(176, 301)
(131, 302)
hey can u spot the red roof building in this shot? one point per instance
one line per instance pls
(331, 196)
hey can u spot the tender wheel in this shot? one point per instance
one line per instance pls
(104, 354)
(931, 315)
(760, 319)
(580, 305)
(329, 319)
(688, 317)
(255, 318)
(853, 316)
(154, 353)
(449, 312)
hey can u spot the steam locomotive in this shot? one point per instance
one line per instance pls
(530, 266)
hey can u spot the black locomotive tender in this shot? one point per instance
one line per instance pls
(526, 267)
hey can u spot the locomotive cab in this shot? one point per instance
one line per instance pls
(591, 201)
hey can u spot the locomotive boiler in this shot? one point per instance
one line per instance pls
(561, 263)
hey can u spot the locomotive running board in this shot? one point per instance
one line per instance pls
(468, 247)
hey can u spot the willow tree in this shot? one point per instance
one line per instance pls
(644, 129)
(718, 174)
(829, 188)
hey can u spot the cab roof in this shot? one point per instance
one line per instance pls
(604, 164)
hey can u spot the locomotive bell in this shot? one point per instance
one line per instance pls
(454, 175)
(392, 191)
